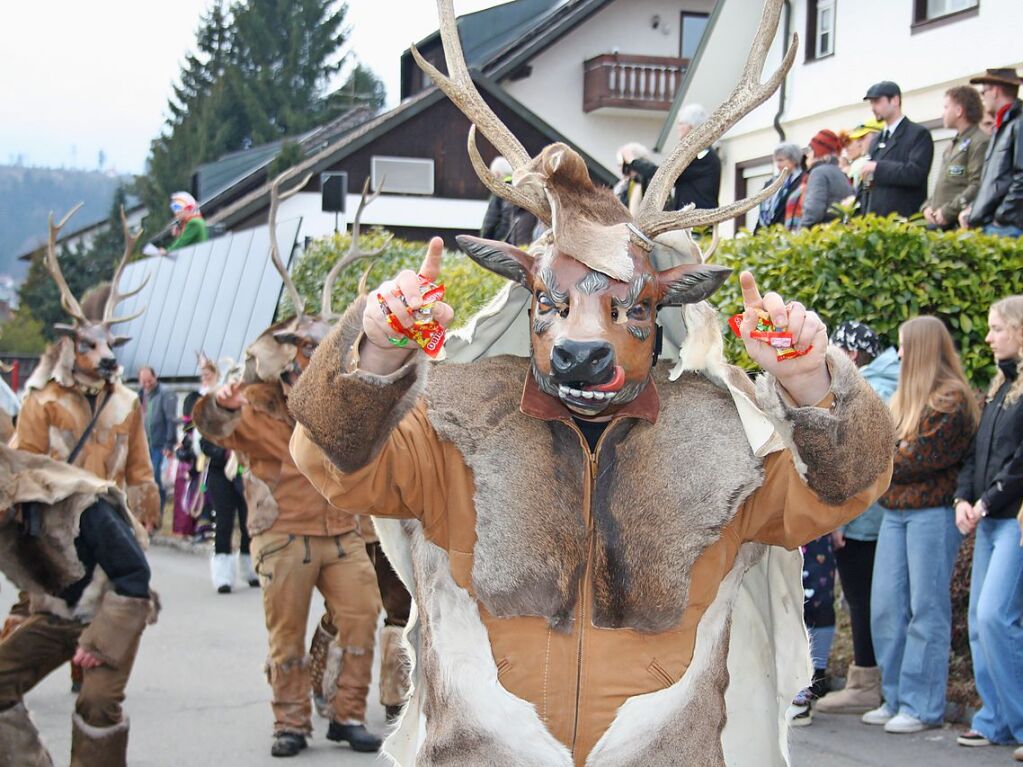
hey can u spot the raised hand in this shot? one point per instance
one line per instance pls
(805, 378)
(231, 396)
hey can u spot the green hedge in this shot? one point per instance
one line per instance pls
(882, 272)
(469, 287)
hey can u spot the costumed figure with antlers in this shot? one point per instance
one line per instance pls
(76, 489)
(575, 527)
(300, 542)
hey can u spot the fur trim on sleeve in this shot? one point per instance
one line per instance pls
(841, 450)
(213, 421)
(112, 633)
(144, 503)
(349, 415)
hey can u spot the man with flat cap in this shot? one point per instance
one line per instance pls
(895, 178)
(998, 206)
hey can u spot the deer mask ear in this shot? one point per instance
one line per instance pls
(116, 341)
(499, 258)
(287, 337)
(65, 330)
(690, 283)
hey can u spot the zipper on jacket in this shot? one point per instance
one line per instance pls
(585, 580)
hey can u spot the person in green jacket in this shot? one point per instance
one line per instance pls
(189, 226)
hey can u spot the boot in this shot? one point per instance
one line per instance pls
(821, 683)
(862, 693)
(20, 745)
(98, 746)
(288, 744)
(357, 736)
(222, 570)
(246, 572)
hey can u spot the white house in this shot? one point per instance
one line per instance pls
(926, 46)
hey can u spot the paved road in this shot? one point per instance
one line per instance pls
(198, 695)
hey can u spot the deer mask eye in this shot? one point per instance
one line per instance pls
(85, 346)
(543, 302)
(640, 312)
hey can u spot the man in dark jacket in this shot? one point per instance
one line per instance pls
(161, 411)
(895, 178)
(998, 207)
(700, 182)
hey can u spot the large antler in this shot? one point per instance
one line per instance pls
(460, 88)
(275, 199)
(67, 298)
(116, 296)
(353, 255)
(747, 95)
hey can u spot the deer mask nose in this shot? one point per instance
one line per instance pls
(586, 362)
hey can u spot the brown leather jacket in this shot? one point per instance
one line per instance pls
(279, 497)
(53, 419)
(591, 573)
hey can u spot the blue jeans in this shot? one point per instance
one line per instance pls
(911, 608)
(996, 629)
(1003, 231)
(156, 457)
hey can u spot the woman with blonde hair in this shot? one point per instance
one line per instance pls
(987, 500)
(911, 610)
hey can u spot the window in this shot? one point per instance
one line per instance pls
(692, 27)
(820, 29)
(927, 10)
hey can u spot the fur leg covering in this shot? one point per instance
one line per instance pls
(20, 745)
(321, 652)
(245, 570)
(222, 570)
(394, 667)
(98, 746)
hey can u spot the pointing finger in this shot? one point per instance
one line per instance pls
(434, 255)
(750, 293)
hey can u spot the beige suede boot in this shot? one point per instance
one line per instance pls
(98, 746)
(862, 693)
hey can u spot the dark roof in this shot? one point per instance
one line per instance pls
(214, 180)
(371, 130)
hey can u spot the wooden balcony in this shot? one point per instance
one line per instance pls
(631, 82)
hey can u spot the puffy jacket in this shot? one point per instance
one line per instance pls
(999, 200)
(826, 185)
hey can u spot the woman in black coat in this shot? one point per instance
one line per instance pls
(988, 498)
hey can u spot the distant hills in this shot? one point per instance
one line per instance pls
(27, 195)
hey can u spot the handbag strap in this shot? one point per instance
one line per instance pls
(88, 429)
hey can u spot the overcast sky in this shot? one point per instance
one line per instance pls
(81, 77)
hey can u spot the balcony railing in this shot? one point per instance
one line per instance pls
(632, 82)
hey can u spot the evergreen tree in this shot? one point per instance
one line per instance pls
(83, 266)
(361, 88)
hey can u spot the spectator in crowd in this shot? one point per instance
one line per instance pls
(700, 182)
(819, 616)
(188, 495)
(826, 184)
(160, 406)
(503, 221)
(189, 226)
(787, 157)
(855, 544)
(935, 417)
(857, 149)
(637, 170)
(998, 206)
(961, 164)
(987, 122)
(895, 176)
(987, 501)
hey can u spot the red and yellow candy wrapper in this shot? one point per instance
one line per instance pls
(765, 331)
(425, 331)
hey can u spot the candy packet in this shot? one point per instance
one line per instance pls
(425, 331)
(780, 340)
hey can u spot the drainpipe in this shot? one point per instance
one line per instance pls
(785, 36)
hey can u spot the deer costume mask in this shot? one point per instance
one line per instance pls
(578, 592)
(595, 294)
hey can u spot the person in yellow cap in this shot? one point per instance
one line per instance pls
(857, 151)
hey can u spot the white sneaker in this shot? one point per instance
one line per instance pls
(902, 724)
(880, 715)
